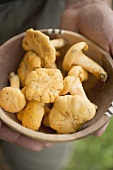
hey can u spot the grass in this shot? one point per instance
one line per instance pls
(93, 153)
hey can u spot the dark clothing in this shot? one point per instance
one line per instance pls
(17, 16)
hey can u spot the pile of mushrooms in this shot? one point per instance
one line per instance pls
(39, 94)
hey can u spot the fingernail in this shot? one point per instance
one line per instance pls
(38, 149)
(48, 145)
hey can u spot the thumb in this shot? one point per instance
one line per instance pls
(96, 23)
(68, 20)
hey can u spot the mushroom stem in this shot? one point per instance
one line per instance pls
(11, 97)
(75, 56)
(78, 71)
(72, 82)
(58, 43)
(14, 80)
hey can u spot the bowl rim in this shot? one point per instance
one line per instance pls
(57, 137)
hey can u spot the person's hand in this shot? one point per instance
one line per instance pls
(9, 135)
(99, 132)
(93, 19)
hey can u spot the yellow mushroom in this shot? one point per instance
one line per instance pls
(33, 115)
(72, 82)
(75, 56)
(19, 115)
(30, 62)
(44, 85)
(70, 112)
(54, 66)
(58, 43)
(57, 54)
(45, 120)
(11, 97)
(39, 43)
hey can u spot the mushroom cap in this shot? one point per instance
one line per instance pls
(30, 61)
(12, 99)
(70, 111)
(72, 82)
(72, 53)
(33, 114)
(40, 43)
(44, 85)
(78, 71)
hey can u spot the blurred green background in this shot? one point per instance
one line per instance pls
(93, 153)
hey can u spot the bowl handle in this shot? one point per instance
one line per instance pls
(107, 115)
(98, 125)
(109, 112)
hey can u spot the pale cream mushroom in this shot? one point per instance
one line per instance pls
(75, 56)
(57, 54)
(11, 97)
(58, 43)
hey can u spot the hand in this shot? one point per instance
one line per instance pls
(101, 131)
(93, 19)
(9, 135)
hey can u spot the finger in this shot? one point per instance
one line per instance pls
(48, 145)
(29, 143)
(71, 16)
(9, 135)
(101, 131)
(94, 29)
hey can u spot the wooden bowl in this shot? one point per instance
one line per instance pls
(11, 54)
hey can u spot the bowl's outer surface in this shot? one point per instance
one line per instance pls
(11, 53)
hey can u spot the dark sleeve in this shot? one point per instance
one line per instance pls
(17, 17)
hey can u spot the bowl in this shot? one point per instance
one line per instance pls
(11, 54)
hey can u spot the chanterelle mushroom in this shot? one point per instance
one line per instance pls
(32, 115)
(69, 112)
(44, 85)
(11, 98)
(72, 82)
(45, 120)
(40, 43)
(30, 62)
(58, 43)
(75, 56)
